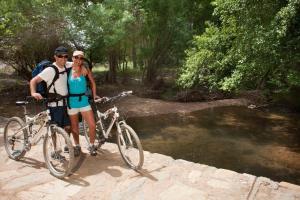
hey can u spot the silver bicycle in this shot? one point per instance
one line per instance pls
(127, 140)
(20, 135)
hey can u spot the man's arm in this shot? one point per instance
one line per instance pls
(33, 83)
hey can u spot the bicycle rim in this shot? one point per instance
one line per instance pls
(15, 138)
(58, 160)
(130, 147)
(86, 132)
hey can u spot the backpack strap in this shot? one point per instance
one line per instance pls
(56, 76)
(79, 95)
(68, 75)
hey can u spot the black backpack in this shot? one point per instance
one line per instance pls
(42, 86)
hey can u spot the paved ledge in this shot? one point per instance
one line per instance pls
(107, 177)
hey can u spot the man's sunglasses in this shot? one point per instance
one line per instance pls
(61, 56)
(77, 57)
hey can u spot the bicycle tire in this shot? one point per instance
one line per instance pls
(85, 130)
(54, 155)
(15, 154)
(135, 157)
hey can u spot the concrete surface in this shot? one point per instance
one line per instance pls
(107, 177)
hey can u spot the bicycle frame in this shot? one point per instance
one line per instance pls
(42, 119)
(113, 112)
(113, 121)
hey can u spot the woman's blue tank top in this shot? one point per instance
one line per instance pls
(77, 85)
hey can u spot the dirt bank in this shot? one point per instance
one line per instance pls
(134, 106)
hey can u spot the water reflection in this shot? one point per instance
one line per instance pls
(247, 141)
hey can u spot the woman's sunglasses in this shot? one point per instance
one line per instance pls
(61, 56)
(77, 57)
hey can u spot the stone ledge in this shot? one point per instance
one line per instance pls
(107, 177)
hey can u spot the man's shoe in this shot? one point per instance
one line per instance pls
(93, 150)
(77, 151)
(16, 153)
(56, 156)
(66, 149)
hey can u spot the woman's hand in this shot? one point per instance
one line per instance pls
(84, 70)
(96, 97)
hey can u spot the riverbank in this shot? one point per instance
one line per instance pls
(134, 106)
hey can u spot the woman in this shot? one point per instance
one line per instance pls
(78, 101)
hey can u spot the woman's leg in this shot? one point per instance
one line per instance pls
(75, 128)
(88, 116)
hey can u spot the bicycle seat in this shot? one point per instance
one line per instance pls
(21, 103)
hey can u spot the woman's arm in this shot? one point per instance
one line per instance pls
(93, 83)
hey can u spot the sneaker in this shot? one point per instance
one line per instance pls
(77, 151)
(93, 150)
(56, 156)
(16, 153)
(66, 149)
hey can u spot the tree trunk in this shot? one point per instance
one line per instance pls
(134, 58)
(151, 69)
(113, 64)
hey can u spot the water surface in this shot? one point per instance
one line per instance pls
(236, 138)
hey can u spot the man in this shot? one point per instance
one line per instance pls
(58, 110)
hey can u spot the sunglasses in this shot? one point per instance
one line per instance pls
(77, 57)
(61, 56)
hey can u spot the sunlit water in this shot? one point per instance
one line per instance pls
(236, 138)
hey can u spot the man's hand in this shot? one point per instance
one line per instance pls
(37, 96)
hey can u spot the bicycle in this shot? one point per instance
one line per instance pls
(20, 135)
(127, 140)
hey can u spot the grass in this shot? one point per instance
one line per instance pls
(99, 68)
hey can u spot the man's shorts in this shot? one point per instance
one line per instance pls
(60, 116)
(74, 111)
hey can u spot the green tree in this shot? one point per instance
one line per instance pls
(101, 28)
(30, 31)
(254, 44)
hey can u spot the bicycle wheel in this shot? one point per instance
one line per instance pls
(58, 161)
(84, 129)
(99, 139)
(15, 138)
(130, 147)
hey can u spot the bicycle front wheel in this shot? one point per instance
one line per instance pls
(130, 147)
(15, 137)
(58, 158)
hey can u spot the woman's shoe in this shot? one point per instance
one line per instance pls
(93, 150)
(77, 151)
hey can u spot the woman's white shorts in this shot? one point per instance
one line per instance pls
(74, 111)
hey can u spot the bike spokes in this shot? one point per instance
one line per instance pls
(130, 147)
(15, 138)
(59, 159)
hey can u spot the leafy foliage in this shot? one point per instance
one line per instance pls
(30, 30)
(255, 44)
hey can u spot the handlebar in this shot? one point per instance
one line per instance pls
(49, 99)
(109, 99)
